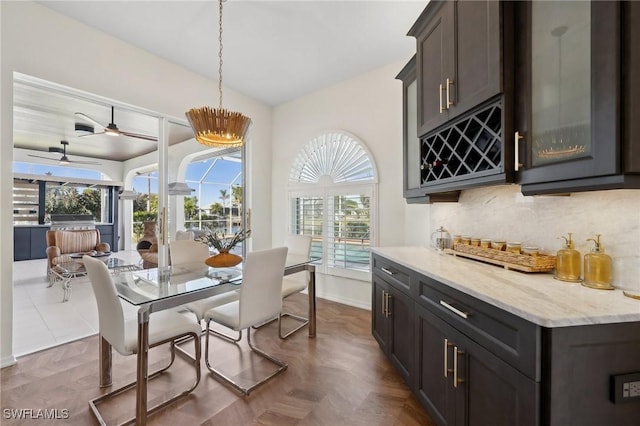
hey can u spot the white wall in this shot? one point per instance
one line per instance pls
(39, 42)
(369, 107)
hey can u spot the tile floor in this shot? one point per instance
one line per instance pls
(40, 318)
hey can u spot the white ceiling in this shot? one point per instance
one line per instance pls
(274, 51)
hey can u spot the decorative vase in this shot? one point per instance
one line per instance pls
(223, 259)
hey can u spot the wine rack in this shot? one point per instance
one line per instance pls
(469, 146)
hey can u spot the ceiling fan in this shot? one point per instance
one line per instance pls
(112, 129)
(64, 160)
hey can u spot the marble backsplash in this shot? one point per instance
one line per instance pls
(503, 212)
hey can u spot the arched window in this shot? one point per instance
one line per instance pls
(332, 197)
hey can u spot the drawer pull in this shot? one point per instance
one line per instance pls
(456, 311)
(387, 271)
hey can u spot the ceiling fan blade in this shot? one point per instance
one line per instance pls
(40, 156)
(84, 162)
(90, 134)
(139, 136)
(56, 149)
(86, 117)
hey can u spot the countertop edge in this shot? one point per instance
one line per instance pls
(523, 309)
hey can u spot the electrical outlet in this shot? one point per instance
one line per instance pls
(625, 387)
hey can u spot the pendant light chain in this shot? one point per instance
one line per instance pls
(220, 53)
(218, 127)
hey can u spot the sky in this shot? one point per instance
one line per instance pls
(222, 175)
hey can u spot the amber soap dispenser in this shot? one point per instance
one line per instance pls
(597, 267)
(568, 265)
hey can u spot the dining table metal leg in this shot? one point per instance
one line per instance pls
(312, 301)
(142, 368)
(104, 348)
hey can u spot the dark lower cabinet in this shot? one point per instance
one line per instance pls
(470, 363)
(463, 383)
(433, 371)
(392, 326)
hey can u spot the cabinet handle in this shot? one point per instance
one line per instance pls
(387, 297)
(456, 311)
(387, 271)
(447, 345)
(517, 164)
(456, 352)
(449, 84)
(383, 304)
(440, 98)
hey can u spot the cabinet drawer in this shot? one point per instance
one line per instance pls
(394, 274)
(510, 337)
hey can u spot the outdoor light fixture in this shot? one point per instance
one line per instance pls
(128, 194)
(218, 127)
(178, 188)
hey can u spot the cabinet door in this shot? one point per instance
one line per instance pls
(379, 323)
(21, 243)
(434, 52)
(401, 339)
(39, 242)
(476, 74)
(568, 78)
(412, 160)
(489, 391)
(433, 367)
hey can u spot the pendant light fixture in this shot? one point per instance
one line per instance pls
(217, 126)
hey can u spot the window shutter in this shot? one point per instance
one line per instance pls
(308, 217)
(348, 231)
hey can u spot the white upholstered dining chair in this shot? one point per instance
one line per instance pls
(187, 251)
(260, 300)
(121, 334)
(190, 251)
(299, 248)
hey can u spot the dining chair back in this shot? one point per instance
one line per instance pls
(119, 333)
(187, 251)
(111, 320)
(260, 300)
(299, 249)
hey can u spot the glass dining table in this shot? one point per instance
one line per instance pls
(157, 289)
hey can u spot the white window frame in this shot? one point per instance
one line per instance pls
(326, 188)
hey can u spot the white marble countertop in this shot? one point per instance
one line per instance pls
(536, 297)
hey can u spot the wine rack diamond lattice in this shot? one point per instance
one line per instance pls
(470, 145)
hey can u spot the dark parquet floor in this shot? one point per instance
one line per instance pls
(339, 378)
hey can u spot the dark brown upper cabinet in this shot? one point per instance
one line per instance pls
(458, 59)
(464, 75)
(577, 104)
(412, 161)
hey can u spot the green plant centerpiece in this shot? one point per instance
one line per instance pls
(223, 243)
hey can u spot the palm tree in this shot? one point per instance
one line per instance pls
(224, 196)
